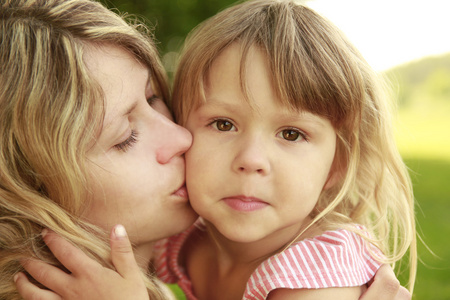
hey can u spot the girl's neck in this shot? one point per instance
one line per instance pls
(241, 253)
(255, 252)
(220, 266)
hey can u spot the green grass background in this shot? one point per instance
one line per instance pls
(423, 137)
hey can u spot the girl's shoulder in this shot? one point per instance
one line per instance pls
(335, 258)
(352, 235)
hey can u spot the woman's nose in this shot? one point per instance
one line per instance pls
(175, 141)
(252, 157)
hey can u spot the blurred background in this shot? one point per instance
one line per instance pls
(407, 40)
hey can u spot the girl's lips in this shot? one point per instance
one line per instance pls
(246, 204)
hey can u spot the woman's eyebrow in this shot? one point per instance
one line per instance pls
(129, 109)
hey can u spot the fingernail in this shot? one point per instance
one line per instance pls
(44, 232)
(16, 277)
(120, 231)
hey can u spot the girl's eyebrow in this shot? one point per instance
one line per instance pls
(217, 104)
(303, 116)
(288, 116)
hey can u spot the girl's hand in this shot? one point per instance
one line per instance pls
(386, 286)
(88, 279)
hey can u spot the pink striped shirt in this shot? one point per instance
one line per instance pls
(339, 258)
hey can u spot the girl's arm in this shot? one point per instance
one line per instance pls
(88, 279)
(344, 293)
(384, 286)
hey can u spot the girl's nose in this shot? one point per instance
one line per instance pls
(252, 157)
(175, 141)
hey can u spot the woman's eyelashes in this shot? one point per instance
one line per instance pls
(124, 146)
(152, 99)
(128, 143)
(291, 134)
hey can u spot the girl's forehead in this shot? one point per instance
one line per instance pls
(297, 86)
(242, 66)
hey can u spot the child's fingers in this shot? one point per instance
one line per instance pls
(122, 254)
(384, 286)
(70, 256)
(51, 277)
(29, 291)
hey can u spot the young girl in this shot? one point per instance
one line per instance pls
(293, 168)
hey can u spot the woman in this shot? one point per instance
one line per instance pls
(84, 141)
(82, 150)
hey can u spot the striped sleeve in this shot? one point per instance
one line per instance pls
(338, 258)
(162, 256)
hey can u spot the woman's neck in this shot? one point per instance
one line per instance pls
(144, 254)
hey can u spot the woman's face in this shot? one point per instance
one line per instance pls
(137, 168)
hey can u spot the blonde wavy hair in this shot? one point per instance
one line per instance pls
(315, 68)
(50, 111)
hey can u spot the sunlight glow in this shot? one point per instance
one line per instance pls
(391, 32)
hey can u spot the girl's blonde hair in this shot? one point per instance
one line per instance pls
(315, 68)
(51, 109)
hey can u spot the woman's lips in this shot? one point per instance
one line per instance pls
(181, 192)
(246, 204)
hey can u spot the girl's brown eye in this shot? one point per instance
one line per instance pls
(290, 135)
(293, 135)
(224, 125)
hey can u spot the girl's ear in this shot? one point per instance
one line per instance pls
(333, 177)
(335, 174)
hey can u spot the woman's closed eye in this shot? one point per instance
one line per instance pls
(128, 143)
(153, 99)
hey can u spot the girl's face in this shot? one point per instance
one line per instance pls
(137, 167)
(255, 171)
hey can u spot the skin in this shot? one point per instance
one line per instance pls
(254, 173)
(259, 165)
(88, 280)
(137, 174)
